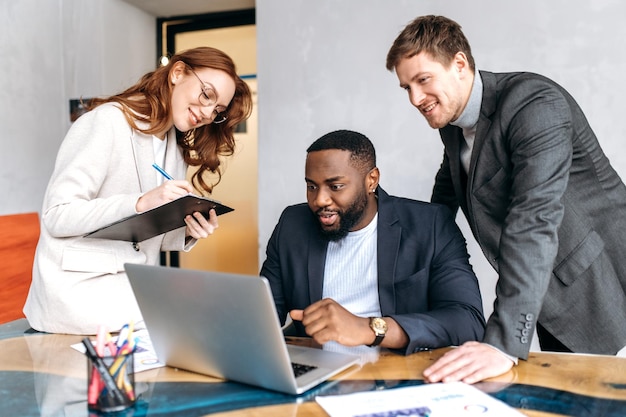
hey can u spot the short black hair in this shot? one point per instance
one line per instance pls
(363, 154)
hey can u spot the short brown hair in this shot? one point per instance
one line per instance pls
(439, 36)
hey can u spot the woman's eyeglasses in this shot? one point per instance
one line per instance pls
(208, 97)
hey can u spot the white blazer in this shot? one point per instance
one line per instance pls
(102, 168)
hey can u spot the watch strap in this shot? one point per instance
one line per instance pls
(376, 342)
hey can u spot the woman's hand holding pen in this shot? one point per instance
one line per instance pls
(164, 193)
(198, 227)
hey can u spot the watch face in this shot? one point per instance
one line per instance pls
(379, 325)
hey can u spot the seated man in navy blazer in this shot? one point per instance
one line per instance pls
(357, 266)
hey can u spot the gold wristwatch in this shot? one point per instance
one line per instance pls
(379, 327)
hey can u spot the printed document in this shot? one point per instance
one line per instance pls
(454, 399)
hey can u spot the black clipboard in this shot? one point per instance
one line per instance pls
(159, 220)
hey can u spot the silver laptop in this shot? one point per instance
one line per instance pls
(226, 325)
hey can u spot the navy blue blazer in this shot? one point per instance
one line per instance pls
(425, 281)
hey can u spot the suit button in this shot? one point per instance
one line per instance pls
(530, 317)
(524, 339)
(525, 332)
(528, 325)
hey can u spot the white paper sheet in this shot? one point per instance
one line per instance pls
(454, 399)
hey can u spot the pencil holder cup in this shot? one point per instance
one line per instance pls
(111, 383)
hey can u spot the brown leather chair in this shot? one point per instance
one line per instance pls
(18, 239)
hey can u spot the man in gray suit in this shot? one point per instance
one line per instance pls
(540, 196)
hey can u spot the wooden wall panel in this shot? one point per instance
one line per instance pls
(18, 239)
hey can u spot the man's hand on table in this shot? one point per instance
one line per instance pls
(470, 363)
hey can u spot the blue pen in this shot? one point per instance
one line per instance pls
(123, 336)
(162, 171)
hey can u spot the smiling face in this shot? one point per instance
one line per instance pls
(339, 192)
(187, 110)
(440, 93)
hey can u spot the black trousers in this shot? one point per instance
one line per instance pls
(547, 342)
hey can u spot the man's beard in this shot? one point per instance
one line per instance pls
(347, 219)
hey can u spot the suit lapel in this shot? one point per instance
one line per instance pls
(389, 232)
(452, 138)
(144, 157)
(174, 163)
(487, 107)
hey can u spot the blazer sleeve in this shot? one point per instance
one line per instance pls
(538, 141)
(450, 313)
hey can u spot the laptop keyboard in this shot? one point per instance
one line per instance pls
(300, 369)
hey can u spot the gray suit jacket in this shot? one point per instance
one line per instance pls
(425, 281)
(549, 213)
